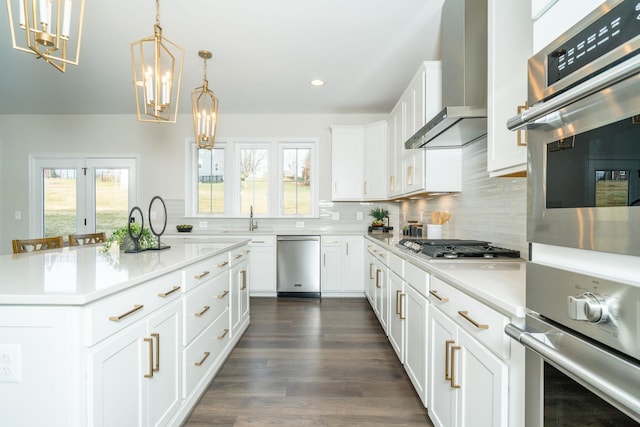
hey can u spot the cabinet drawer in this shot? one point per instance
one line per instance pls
(331, 241)
(482, 322)
(382, 255)
(201, 355)
(417, 278)
(238, 255)
(107, 317)
(396, 264)
(199, 273)
(203, 305)
(263, 241)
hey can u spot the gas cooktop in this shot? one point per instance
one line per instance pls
(457, 248)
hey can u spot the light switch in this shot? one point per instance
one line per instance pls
(359, 216)
(18, 215)
(203, 224)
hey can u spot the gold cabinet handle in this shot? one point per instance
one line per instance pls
(156, 367)
(378, 271)
(222, 295)
(347, 248)
(128, 313)
(522, 140)
(206, 354)
(201, 275)
(237, 256)
(465, 314)
(257, 241)
(402, 297)
(398, 301)
(222, 264)
(364, 188)
(438, 297)
(204, 310)
(409, 175)
(324, 260)
(447, 366)
(226, 331)
(166, 294)
(246, 252)
(453, 366)
(150, 342)
(371, 270)
(244, 280)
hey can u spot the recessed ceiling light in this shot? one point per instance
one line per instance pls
(317, 82)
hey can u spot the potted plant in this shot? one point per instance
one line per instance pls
(378, 215)
(120, 236)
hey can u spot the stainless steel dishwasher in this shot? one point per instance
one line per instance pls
(298, 266)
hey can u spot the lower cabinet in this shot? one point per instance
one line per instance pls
(134, 375)
(397, 315)
(469, 384)
(239, 297)
(381, 293)
(416, 344)
(342, 258)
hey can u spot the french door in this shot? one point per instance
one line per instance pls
(80, 194)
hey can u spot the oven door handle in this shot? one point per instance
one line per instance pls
(537, 113)
(604, 382)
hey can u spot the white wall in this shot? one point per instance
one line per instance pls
(160, 147)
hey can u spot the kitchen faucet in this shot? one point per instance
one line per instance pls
(252, 225)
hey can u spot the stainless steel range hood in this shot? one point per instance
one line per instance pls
(464, 78)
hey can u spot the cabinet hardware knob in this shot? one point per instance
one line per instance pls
(447, 366)
(204, 310)
(201, 275)
(402, 297)
(206, 354)
(166, 294)
(453, 366)
(222, 295)
(156, 367)
(128, 313)
(150, 342)
(244, 280)
(222, 264)
(226, 331)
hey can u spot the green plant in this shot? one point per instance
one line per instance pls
(378, 214)
(120, 234)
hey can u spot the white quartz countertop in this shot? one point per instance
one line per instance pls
(82, 274)
(498, 284)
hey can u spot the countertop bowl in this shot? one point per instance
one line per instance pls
(184, 228)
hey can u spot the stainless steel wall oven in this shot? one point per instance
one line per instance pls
(582, 328)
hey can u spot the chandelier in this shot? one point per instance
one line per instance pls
(48, 29)
(157, 87)
(204, 109)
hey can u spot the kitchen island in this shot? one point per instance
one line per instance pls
(110, 338)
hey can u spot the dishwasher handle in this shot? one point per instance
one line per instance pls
(297, 238)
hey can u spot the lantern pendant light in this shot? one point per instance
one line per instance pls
(204, 109)
(155, 60)
(50, 29)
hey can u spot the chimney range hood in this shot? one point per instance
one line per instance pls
(464, 78)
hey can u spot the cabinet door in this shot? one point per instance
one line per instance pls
(394, 153)
(238, 277)
(347, 162)
(262, 279)
(330, 272)
(397, 317)
(245, 280)
(370, 273)
(164, 387)
(382, 295)
(353, 251)
(484, 386)
(375, 162)
(510, 46)
(416, 341)
(118, 369)
(442, 336)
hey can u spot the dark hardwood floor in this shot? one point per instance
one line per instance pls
(311, 362)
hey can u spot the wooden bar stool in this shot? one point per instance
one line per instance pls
(32, 245)
(86, 239)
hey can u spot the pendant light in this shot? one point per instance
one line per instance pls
(155, 60)
(48, 29)
(204, 109)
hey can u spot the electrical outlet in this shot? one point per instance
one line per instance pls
(359, 216)
(203, 224)
(299, 224)
(335, 216)
(10, 363)
(18, 215)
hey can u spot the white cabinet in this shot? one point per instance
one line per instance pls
(381, 273)
(510, 47)
(341, 270)
(134, 375)
(262, 280)
(416, 356)
(358, 166)
(347, 169)
(395, 148)
(469, 384)
(397, 317)
(552, 21)
(370, 278)
(239, 288)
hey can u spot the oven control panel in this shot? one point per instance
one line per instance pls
(588, 307)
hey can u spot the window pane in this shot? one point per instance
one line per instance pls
(254, 176)
(59, 202)
(112, 198)
(612, 188)
(296, 181)
(211, 181)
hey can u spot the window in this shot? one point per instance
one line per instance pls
(274, 177)
(80, 195)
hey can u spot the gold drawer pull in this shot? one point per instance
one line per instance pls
(237, 256)
(200, 276)
(156, 368)
(398, 301)
(150, 342)
(453, 366)
(438, 297)
(522, 140)
(166, 294)
(222, 264)
(206, 354)
(244, 280)
(122, 316)
(246, 251)
(226, 331)
(206, 308)
(378, 271)
(402, 316)
(224, 294)
(257, 241)
(465, 314)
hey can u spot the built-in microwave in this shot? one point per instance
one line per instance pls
(584, 134)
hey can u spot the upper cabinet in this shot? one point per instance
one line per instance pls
(509, 49)
(394, 152)
(358, 163)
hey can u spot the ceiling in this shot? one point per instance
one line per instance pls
(265, 52)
